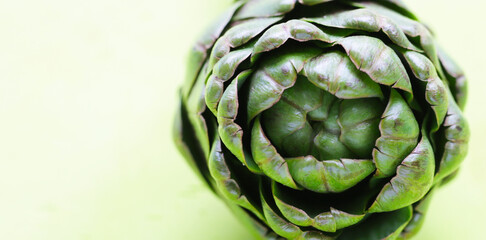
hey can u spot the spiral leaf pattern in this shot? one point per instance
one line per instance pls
(323, 119)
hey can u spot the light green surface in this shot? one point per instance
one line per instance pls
(87, 93)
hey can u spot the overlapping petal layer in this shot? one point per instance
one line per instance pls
(323, 119)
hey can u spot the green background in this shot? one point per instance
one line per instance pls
(87, 94)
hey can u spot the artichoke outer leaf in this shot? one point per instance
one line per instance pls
(225, 68)
(256, 228)
(268, 159)
(227, 186)
(419, 210)
(336, 74)
(330, 176)
(215, 88)
(401, 8)
(285, 228)
(411, 28)
(329, 221)
(295, 215)
(457, 80)
(264, 8)
(278, 223)
(213, 93)
(313, 2)
(183, 135)
(198, 54)
(363, 19)
(177, 134)
(387, 226)
(222, 72)
(399, 136)
(298, 30)
(315, 235)
(435, 92)
(344, 219)
(376, 59)
(230, 132)
(196, 106)
(237, 36)
(413, 226)
(414, 178)
(457, 135)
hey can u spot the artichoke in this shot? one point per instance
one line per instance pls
(323, 119)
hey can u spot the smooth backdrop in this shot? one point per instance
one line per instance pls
(87, 95)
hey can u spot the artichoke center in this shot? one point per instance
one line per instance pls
(308, 120)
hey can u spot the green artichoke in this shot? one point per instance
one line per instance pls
(323, 119)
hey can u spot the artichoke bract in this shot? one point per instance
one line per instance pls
(322, 119)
